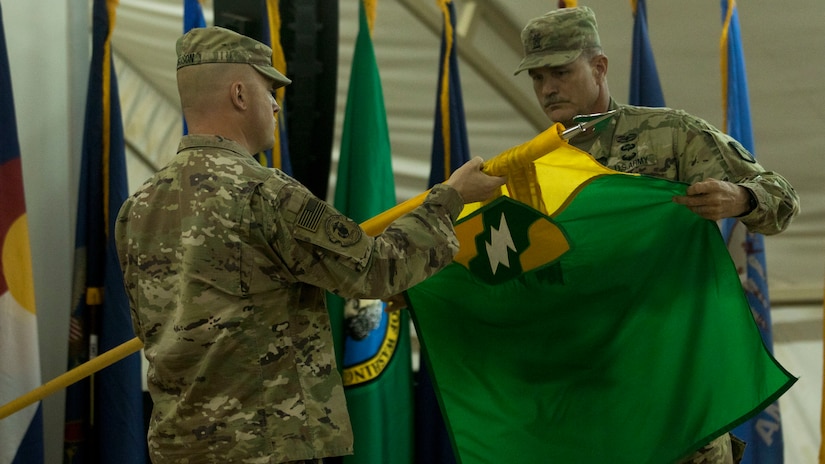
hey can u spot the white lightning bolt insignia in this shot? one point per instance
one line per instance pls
(500, 241)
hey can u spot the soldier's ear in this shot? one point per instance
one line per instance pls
(599, 66)
(238, 95)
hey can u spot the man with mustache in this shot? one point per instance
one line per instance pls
(565, 61)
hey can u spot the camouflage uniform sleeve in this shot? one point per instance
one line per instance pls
(710, 153)
(122, 246)
(320, 246)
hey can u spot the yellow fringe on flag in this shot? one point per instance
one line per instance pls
(369, 9)
(506, 163)
(723, 52)
(444, 98)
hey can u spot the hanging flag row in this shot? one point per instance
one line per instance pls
(103, 423)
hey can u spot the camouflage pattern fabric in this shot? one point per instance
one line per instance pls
(716, 452)
(558, 37)
(225, 264)
(672, 144)
(218, 45)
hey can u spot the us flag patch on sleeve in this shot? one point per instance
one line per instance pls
(310, 215)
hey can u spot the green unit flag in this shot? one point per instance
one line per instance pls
(613, 329)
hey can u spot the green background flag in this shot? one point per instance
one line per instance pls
(377, 366)
(613, 330)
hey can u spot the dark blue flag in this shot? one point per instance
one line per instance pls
(104, 412)
(645, 89)
(449, 151)
(192, 15)
(763, 433)
(278, 156)
(192, 19)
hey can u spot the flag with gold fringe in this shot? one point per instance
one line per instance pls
(450, 150)
(104, 413)
(582, 326)
(278, 156)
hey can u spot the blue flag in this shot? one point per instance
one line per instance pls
(192, 15)
(645, 89)
(763, 432)
(192, 19)
(278, 156)
(449, 151)
(104, 412)
(450, 147)
(21, 435)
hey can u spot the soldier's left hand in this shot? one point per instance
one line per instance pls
(716, 199)
(395, 303)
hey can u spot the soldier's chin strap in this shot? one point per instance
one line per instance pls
(518, 158)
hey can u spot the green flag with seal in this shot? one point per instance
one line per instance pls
(375, 345)
(612, 328)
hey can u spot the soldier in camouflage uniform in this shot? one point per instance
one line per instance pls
(564, 59)
(226, 264)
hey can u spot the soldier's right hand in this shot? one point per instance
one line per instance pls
(472, 183)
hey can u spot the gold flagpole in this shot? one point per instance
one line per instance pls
(516, 158)
(64, 380)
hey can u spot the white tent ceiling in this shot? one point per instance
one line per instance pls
(783, 50)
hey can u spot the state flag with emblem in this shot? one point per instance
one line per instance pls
(21, 435)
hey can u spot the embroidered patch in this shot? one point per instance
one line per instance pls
(310, 216)
(343, 230)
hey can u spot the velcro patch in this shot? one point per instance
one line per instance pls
(310, 215)
(343, 230)
(742, 151)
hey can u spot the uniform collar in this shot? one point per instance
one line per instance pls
(213, 141)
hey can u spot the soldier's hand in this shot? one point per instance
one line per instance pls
(395, 303)
(473, 184)
(716, 199)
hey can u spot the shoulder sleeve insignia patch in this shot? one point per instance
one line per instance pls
(742, 151)
(343, 230)
(311, 214)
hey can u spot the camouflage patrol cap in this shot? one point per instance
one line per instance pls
(558, 37)
(218, 45)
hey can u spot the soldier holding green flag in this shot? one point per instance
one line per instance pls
(568, 69)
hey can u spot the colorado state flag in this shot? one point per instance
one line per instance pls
(21, 435)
